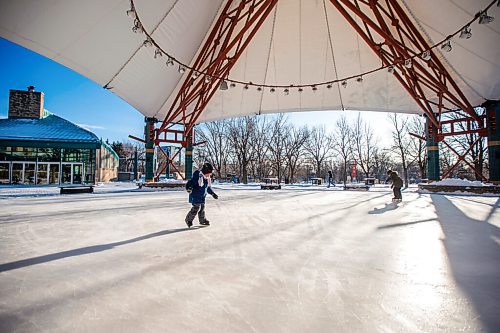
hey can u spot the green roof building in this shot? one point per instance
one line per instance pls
(40, 148)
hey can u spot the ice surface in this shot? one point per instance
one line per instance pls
(300, 259)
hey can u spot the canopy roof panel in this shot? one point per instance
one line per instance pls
(301, 42)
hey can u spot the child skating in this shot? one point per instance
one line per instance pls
(397, 183)
(198, 187)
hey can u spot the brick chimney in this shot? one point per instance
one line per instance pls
(26, 104)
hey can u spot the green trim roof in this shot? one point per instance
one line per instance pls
(50, 129)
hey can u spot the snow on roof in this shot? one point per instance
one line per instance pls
(50, 128)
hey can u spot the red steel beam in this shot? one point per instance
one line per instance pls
(394, 38)
(225, 44)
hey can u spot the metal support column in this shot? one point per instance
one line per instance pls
(150, 151)
(432, 150)
(492, 116)
(136, 165)
(188, 159)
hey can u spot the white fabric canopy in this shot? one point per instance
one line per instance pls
(294, 46)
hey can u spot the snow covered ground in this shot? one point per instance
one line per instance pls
(300, 259)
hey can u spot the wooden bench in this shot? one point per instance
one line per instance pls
(76, 189)
(161, 185)
(270, 184)
(357, 187)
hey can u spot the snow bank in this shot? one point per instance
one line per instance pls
(458, 182)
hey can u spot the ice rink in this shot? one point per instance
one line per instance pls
(300, 259)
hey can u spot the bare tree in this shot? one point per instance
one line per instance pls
(216, 148)
(382, 161)
(364, 145)
(401, 139)
(294, 148)
(260, 164)
(241, 131)
(318, 146)
(342, 144)
(276, 143)
(418, 150)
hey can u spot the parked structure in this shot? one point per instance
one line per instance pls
(40, 148)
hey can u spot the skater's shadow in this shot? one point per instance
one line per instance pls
(86, 250)
(386, 208)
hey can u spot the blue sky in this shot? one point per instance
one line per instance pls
(87, 104)
(67, 94)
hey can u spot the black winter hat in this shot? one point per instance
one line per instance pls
(389, 172)
(206, 168)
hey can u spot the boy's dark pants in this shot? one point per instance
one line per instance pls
(192, 213)
(397, 193)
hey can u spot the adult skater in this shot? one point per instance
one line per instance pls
(198, 187)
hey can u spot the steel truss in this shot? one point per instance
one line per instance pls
(383, 24)
(393, 37)
(231, 34)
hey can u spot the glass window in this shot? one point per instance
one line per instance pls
(66, 174)
(72, 155)
(4, 173)
(29, 173)
(42, 173)
(5, 154)
(17, 173)
(53, 173)
(49, 154)
(23, 154)
(77, 173)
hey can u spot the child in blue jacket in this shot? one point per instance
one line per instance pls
(198, 188)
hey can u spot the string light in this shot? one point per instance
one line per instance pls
(170, 62)
(446, 47)
(148, 43)
(426, 56)
(137, 27)
(485, 19)
(131, 13)
(464, 33)
(272, 90)
(223, 85)
(408, 63)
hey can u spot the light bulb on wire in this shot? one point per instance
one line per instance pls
(426, 56)
(465, 33)
(131, 13)
(485, 19)
(169, 62)
(446, 47)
